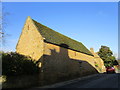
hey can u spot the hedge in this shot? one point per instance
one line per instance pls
(16, 64)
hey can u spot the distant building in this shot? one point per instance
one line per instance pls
(58, 55)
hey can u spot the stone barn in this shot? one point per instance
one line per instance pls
(58, 55)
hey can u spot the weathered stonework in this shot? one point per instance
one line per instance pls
(98, 61)
(30, 42)
(60, 62)
(56, 62)
(58, 54)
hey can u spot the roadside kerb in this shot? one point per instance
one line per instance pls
(67, 82)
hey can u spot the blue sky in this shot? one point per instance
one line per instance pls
(92, 23)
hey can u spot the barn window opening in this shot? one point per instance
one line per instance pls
(28, 27)
(80, 63)
(75, 53)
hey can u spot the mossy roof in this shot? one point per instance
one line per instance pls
(56, 38)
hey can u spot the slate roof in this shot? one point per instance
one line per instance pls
(56, 38)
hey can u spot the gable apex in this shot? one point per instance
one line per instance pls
(29, 17)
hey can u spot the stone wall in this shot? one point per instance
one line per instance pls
(61, 63)
(98, 61)
(30, 42)
(56, 63)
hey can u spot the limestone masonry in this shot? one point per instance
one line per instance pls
(58, 55)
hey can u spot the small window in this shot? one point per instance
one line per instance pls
(28, 27)
(80, 63)
(75, 54)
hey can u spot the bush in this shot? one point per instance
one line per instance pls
(16, 64)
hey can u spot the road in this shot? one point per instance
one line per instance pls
(99, 81)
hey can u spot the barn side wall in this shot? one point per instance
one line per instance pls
(59, 63)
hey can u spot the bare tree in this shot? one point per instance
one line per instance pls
(3, 24)
(1, 18)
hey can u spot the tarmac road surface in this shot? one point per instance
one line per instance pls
(100, 81)
(96, 81)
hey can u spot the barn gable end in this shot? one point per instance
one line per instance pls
(56, 51)
(30, 42)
